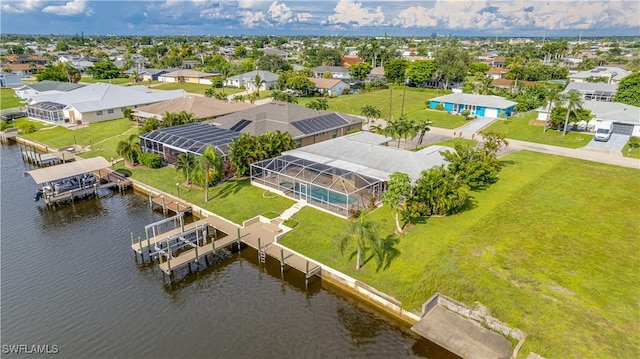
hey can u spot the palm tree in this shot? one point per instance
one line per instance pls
(211, 162)
(129, 148)
(363, 232)
(573, 99)
(319, 104)
(128, 113)
(370, 112)
(552, 96)
(185, 162)
(258, 81)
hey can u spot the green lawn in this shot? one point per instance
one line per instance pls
(93, 134)
(194, 88)
(550, 249)
(8, 99)
(235, 200)
(520, 129)
(414, 105)
(635, 152)
(118, 81)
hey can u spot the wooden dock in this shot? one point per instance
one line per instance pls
(113, 179)
(258, 233)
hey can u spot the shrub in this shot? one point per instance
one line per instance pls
(440, 107)
(27, 127)
(151, 160)
(3, 125)
(634, 142)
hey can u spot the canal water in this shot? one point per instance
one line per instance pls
(69, 280)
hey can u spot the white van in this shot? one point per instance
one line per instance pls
(603, 131)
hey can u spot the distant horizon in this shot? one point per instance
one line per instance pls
(402, 18)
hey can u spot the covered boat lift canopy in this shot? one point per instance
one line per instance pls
(48, 174)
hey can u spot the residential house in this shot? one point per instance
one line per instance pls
(10, 80)
(613, 75)
(498, 61)
(202, 108)
(247, 80)
(347, 61)
(93, 103)
(189, 64)
(596, 91)
(330, 87)
(479, 105)
(497, 72)
(306, 126)
(190, 76)
(337, 72)
(29, 90)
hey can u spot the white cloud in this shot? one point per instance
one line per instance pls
(253, 19)
(350, 12)
(304, 16)
(248, 4)
(415, 16)
(280, 13)
(74, 7)
(20, 7)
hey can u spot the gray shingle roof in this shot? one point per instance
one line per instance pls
(280, 116)
(614, 111)
(477, 100)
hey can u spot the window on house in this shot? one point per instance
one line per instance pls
(110, 110)
(99, 113)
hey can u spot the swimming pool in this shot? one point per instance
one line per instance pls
(320, 194)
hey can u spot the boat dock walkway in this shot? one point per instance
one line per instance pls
(172, 246)
(113, 179)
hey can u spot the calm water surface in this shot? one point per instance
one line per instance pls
(69, 278)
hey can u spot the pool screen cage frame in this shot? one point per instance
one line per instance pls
(340, 191)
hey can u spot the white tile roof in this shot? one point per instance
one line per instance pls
(614, 111)
(101, 96)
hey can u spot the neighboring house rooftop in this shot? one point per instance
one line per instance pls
(614, 111)
(200, 107)
(332, 69)
(477, 100)
(589, 86)
(321, 83)
(48, 85)
(100, 96)
(188, 73)
(613, 72)
(284, 117)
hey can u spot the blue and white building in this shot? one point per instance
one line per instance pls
(479, 105)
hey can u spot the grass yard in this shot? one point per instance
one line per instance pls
(8, 99)
(542, 249)
(520, 129)
(235, 200)
(118, 81)
(414, 104)
(635, 152)
(194, 88)
(93, 134)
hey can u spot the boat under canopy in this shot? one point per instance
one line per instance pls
(53, 173)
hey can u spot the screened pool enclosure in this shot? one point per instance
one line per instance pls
(337, 190)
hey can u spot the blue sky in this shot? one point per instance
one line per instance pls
(322, 17)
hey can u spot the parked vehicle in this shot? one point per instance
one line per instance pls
(603, 131)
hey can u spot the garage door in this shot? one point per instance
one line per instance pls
(491, 112)
(622, 129)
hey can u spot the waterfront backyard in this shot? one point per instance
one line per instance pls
(550, 249)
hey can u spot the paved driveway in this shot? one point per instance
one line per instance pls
(615, 143)
(476, 125)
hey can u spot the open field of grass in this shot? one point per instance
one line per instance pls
(194, 88)
(542, 249)
(414, 105)
(8, 99)
(93, 134)
(235, 200)
(520, 129)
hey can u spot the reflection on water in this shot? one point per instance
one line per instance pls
(69, 278)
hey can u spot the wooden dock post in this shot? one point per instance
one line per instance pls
(164, 206)
(150, 200)
(281, 260)
(238, 238)
(200, 213)
(259, 249)
(169, 257)
(177, 207)
(306, 275)
(141, 252)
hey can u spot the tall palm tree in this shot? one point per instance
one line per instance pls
(370, 112)
(258, 81)
(319, 104)
(573, 99)
(185, 162)
(364, 233)
(129, 148)
(552, 96)
(211, 162)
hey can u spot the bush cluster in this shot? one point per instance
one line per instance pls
(151, 160)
